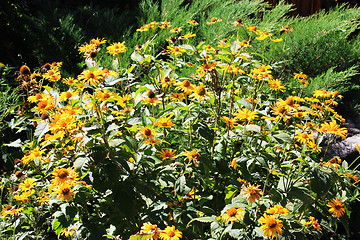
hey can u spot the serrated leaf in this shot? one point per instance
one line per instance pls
(41, 129)
(180, 185)
(203, 220)
(137, 57)
(82, 164)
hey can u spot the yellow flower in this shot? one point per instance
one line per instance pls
(245, 115)
(233, 164)
(64, 192)
(151, 98)
(146, 132)
(333, 128)
(314, 223)
(93, 78)
(62, 122)
(167, 154)
(277, 209)
(251, 192)
(64, 176)
(336, 207)
(214, 20)
(148, 228)
(170, 233)
(27, 184)
(167, 82)
(272, 226)
(276, 85)
(164, 122)
(334, 162)
(185, 86)
(176, 50)
(10, 211)
(66, 95)
(354, 177)
(97, 41)
(229, 121)
(52, 75)
(67, 232)
(232, 214)
(188, 35)
(177, 97)
(200, 93)
(193, 155)
(32, 155)
(277, 40)
(116, 48)
(175, 30)
(193, 22)
(165, 25)
(304, 138)
(301, 77)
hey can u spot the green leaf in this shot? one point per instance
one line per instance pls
(245, 104)
(283, 137)
(203, 220)
(82, 164)
(141, 236)
(16, 143)
(254, 128)
(320, 181)
(137, 57)
(41, 129)
(180, 185)
(205, 131)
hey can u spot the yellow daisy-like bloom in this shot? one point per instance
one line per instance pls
(233, 164)
(24, 196)
(272, 226)
(32, 155)
(116, 48)
(152, 141)
(214, 20)
(167, 82)
(277, 209)
(10, 211)
(69, 81)
(245, 115)
(193, 22)
(251, 192)
(93, 78)
(301, 77)
(148, 228)
(188, 35)
(146, 132)
(64, 175)
(336, 207)
(164, 122)
(200, 93)
(43, 106)
(177, 97)
(167, 154)
(62, 122)
(334, 162)
(52, 75)
(353, 177)
(229, 121)
(304, 138)
(333, 128)
(165, 25)
(185, 86)
(193, 155)
(170, 233)
(151, 98)
(64, 192)
(276, 85)
(27, 184)
(67, 95)
(97, 41)
(277, 40)
(175, 30)
(314, 223)
(232, 215)
(67, 232)
(176, 50)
